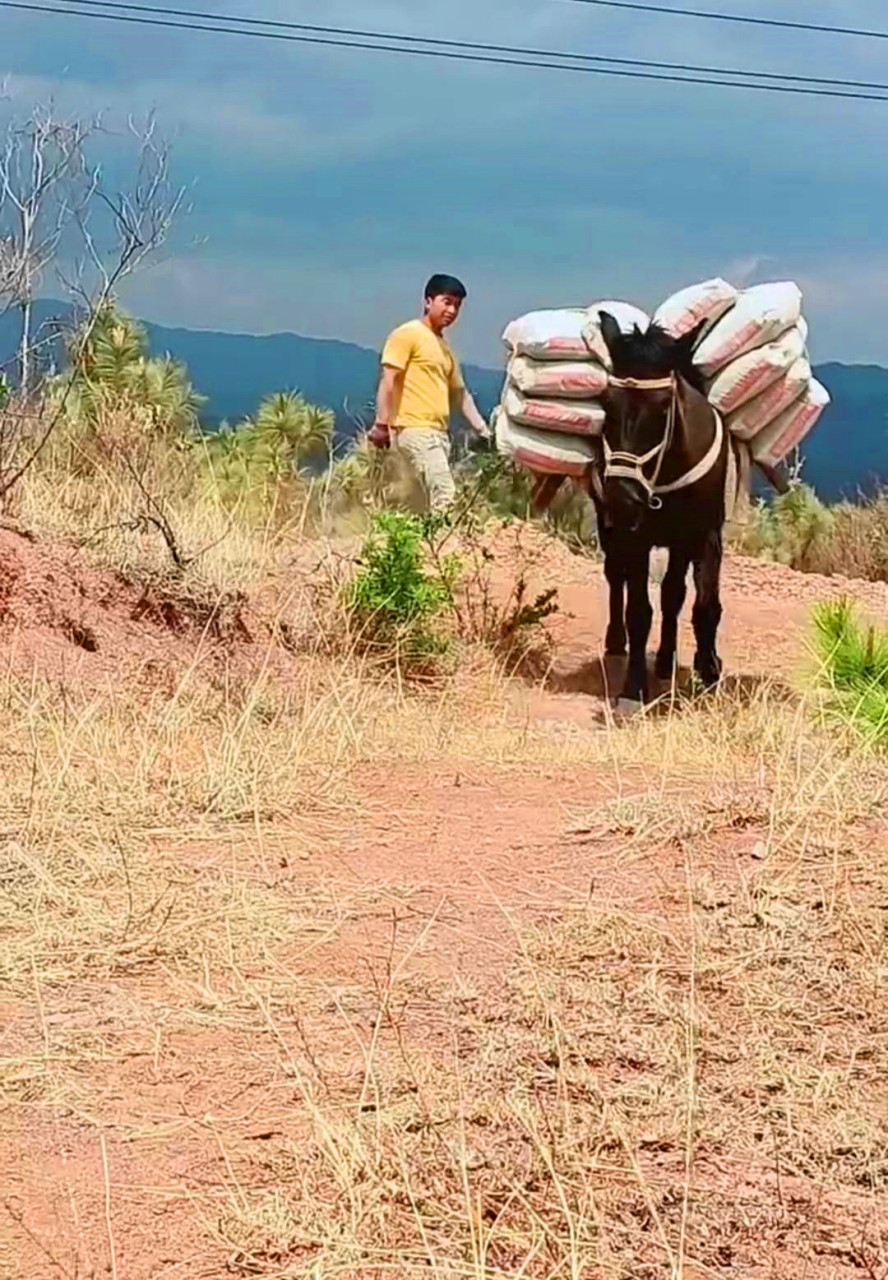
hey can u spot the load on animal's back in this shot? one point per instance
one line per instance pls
(685, 399)
(750, 349)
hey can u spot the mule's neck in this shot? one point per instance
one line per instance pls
(690, 442)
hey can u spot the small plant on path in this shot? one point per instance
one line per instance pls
(854, 668)
(398, 603)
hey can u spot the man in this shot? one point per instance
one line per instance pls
(420, 381)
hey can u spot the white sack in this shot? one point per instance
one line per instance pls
(627, 317)
(759, 315)
(547, 452)
(686, 309)
(571, 381)
(761, 410)
(549, 335)
(790, 427)
(749, 375)
(573, 417)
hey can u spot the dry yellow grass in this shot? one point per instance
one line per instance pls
(641, 1098)
(682, 1077)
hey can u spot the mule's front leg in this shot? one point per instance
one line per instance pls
(708, 610)
(639, 616)
(672, 595)
(615, 572)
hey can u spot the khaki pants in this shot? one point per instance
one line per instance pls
(428, 452)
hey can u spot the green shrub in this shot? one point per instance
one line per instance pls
(259, 463)
(854, 668)
(797, 529)
(399, 606)
(791, 530)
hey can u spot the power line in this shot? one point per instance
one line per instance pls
(786, 24)
(476, 46)
(375, 42)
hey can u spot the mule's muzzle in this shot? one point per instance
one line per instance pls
(626, 502)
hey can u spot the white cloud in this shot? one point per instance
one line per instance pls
(329, 182)
(233, 122)
(748, 270)
(845, 298)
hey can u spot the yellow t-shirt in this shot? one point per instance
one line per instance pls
(431, 376)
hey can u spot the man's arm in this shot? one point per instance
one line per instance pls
(471, 413)
(396, 355)
(388, 397)
(462, 398)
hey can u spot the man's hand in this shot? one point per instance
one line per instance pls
(391, 385)
(380, 435)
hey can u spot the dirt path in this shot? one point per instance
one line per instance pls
(765, 627)
(148, 1110)
(453, 869)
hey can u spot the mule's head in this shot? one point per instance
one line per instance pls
(635, 436)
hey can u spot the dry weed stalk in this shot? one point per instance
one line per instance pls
(591, 1118)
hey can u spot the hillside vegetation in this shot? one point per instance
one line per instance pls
(339, 939)
(236, 370)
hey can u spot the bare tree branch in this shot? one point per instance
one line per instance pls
(47, 188)
(39, 168)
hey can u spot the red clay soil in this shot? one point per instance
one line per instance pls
(62, 616)
(458, 860)
(766, 608)
(459, 863)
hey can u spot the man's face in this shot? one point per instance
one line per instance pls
(443, 310)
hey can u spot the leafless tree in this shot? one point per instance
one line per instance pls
(60, 213)
(120, 230)
(41, 167)
(795, 464)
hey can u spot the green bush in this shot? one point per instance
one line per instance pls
(260, 461)
(792, 529)
(854, 668)
(797, 529)
(399, 606)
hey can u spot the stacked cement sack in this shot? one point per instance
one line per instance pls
(752, 350)
(558, 367)
(753, 353)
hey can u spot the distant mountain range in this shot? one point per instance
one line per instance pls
(236, 370)
(846, 453)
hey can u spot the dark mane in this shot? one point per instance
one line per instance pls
(654, 353)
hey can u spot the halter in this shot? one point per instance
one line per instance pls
(630, 466)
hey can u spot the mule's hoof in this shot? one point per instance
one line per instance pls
(708, 674)
(615, 645)
(628, 708)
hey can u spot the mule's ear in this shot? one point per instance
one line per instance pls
(688, 342)
(610, 330)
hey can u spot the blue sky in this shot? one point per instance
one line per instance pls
(327, 184)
